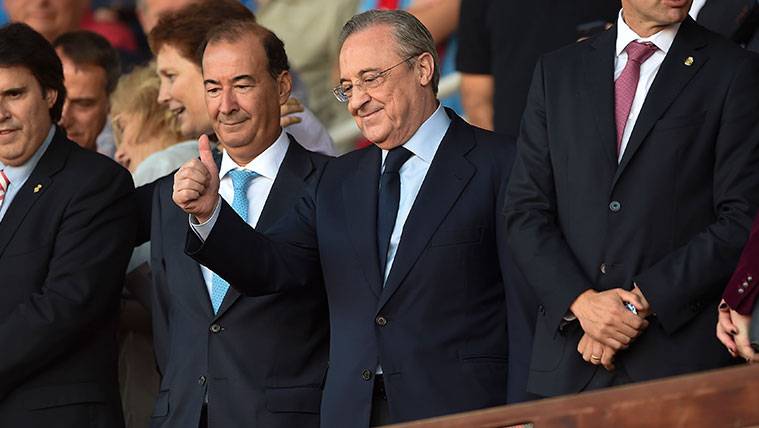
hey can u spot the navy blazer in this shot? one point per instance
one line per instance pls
(261, 360)
(65, 242)
(438, 327)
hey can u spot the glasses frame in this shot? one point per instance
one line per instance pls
(341, 96)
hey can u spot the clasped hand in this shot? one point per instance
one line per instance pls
(608, 325)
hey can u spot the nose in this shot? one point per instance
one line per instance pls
(228, 102)
(66, 120)
(358, 98)
(163, 93)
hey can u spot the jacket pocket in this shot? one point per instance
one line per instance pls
(294, 400)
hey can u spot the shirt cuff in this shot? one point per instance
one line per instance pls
(204, 229)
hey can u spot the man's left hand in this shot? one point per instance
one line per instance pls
(596, 352)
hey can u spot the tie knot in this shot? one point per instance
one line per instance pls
(241, 178)
(640, 52)
(396, 158)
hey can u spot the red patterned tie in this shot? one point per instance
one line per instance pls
(627, 84)
(4, 182)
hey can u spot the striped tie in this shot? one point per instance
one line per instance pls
(4, 183)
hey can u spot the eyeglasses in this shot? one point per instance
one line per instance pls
(370, 80)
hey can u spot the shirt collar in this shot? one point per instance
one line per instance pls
(663, 39)
(426, 140)
(266, 164)
(19, 174)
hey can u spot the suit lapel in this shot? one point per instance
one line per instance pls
(446, 179)
(286, 190)
(360, 202)
(598, 63)
(672, 77)
(41, 178)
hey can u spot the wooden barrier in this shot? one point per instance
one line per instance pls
(719, 398)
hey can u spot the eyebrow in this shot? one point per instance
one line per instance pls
(363, 71)
(234, 79)
(17, 89)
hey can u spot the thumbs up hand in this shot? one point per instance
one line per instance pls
(196, 184)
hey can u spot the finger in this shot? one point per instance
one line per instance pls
(183, 197)
(597, 351)
(189, 185)
(204, 148)
(614, 344)
(726, 322)
(581, 343)
(634, 298)
(632, 320)
(743, 347)
(607, 360)
(286, 121)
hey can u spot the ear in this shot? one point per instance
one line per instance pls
(284, 86)
(426, 68)
(51, 95)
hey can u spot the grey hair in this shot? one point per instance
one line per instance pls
(412, 37)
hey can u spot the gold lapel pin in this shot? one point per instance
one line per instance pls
(688, 61)
(37, 188)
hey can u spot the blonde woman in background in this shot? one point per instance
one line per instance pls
(146, 133)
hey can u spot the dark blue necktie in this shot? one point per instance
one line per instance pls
(389, 198)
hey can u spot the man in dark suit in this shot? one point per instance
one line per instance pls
(228, 360)
(738, 20)
(405, 235)
(632, 194)
(66, 233)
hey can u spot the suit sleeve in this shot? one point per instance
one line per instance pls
(160, 299)
(85, 274)
(678, 284)
(533, 233)
(741, 292)
(256, 264)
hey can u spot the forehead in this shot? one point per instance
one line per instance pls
(83, 77)
(170, 58)
(17, 76)
(66, 7)
(234, 58)
(360, 51)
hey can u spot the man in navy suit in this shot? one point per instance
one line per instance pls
(635, 184)
(228, 360)
(406, 236)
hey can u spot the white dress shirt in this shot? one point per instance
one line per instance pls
(423, 145)
(19, 174)
(266, 165)
(663, 40)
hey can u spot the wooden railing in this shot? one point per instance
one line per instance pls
(719, 398)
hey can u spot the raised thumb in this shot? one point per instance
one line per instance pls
(204, 148)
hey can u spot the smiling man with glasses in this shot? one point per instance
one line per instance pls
(405, 235)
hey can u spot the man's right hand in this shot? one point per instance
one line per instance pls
(196, 184)
(604, 317)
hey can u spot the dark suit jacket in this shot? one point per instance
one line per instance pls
(262, 360)
(738, 20)
(438, 327)
(672, 216)
(63, 252)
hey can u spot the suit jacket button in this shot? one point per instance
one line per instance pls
(615, 206)
(215, 328)
(603, 268)
(202, 380)
(381, 321)
(366, 374)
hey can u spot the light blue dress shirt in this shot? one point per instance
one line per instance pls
(19, 174)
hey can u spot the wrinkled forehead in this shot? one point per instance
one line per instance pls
(371, 49)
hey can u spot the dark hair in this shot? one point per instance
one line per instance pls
(21, 46)
(88, 48)
(234, 31)
(411, 36)
(185, 29)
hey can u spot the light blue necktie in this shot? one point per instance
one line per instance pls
(241, 178)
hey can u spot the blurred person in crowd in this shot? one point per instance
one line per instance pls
(229, 360)
(51, 18)
(310, 29)
(91, 70)
(175, 46)
(66, 231)
(738, 306)
(149, 11)
(500, 42)
(737, 20)
(417, 295)
(636, 183)
(143, 129)
(146, 133)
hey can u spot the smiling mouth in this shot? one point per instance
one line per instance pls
(7, 131)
